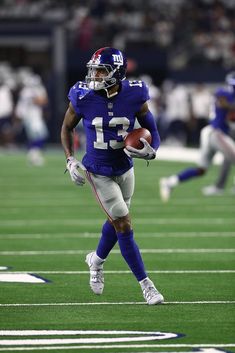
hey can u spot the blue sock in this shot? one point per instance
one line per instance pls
(131, 254)
(188, 174)
(107, 241)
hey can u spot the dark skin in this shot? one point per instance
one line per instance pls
(122, 224)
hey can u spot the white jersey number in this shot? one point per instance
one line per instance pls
(98, 123)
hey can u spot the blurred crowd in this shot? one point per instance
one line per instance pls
(199, 31)
(23, 100)
(181, 111)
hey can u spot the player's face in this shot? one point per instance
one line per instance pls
(99, 73)
(97, 76)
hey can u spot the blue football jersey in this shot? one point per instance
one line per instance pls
(219, 120)
(106, 122)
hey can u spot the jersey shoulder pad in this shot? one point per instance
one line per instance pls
(80, 89)
(77, 93)
(139, 88)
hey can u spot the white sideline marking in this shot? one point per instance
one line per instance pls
(210, 346)
(137, 234)
(123, 272)
(143, 251)
(117, 303)
(17, 277)
(98, 221)
(158, 335)
(133, 336)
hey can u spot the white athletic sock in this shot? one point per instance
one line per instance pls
(145, 283)
(97, 262)
(173, 181)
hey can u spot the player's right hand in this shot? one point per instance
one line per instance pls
(72, 166)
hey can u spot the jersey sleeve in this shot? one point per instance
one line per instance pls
(76, 93)
(145, 92)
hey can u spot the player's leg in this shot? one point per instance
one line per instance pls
(96, 259)
(37, 134)
(218, 187)
(224, 144)
(128, 247)
(167, 184)
(115, 203)
(104, 189)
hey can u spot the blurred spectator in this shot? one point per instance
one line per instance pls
(201, 100)
(177, 114)
(201, 32)
(29, 109)
(6, 111)
(154, 94)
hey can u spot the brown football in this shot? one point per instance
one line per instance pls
(133, 138)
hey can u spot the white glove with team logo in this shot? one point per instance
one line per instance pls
(147, 152)
(72, 166)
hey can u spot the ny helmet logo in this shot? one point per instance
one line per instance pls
(117, 59)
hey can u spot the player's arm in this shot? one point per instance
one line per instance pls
(146, 120)
(223, 103)
(70, 122)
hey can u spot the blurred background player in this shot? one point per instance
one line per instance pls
(213, 138)
(29, 110)
(6, 111)
(219, 186)
(108, 105)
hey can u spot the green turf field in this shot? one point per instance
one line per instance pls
(48, 225)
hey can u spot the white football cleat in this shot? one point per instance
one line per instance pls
(151, 294)
(96, 275)
(164, 189)
(212, 190)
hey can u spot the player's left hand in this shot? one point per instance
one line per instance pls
(147, 152)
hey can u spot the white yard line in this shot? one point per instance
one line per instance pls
(136, 209)
(117, 303)
(116, 251)
(98, 221)
(137, 234)
(34, 198)
(177, 346)
(122, 272)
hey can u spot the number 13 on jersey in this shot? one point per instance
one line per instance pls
(98, 124)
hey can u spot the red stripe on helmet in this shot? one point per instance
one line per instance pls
(99, 51)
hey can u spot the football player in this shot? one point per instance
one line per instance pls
(108, 106)
(214, 137)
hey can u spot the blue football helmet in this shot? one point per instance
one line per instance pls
(114, 64)
(230, 78)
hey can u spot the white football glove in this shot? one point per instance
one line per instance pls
(147, 152)
(72, 166)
